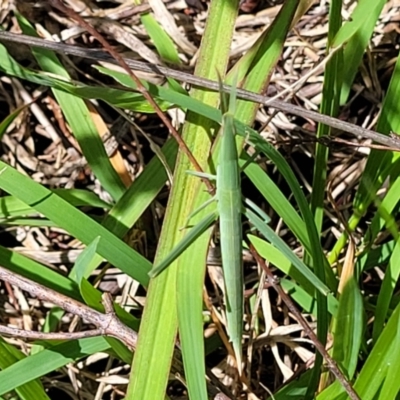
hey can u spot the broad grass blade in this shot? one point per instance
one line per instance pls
(46, 361)
(74, 222)
(179, 290)
(348, 329)
(32, 389)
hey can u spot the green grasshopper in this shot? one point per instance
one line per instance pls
(229, 197)
(229, 210)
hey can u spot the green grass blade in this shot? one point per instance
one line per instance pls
(262, 56)
(31, 222)
(193, 234)
(384, 216)
(329, 106)
(356, 34)
(383, 357)
(116, 97)
(379, 165)
(391, 387)
(190, 284)
(81, 268)
(376, 378)
(179, 98)
(51, 322)
(10, 118)
(11, 206)
(294, 390)
(46, 361)
(119, 98)
(388, 286)
(266, 148)
(158, 328)
(277, 242)
(163, 43)
(80, 121)
(127, 211)
(306, 291)
(278, 201)
(35, 271)
(32, 389)
(253, 70)
(348, 328)
(352, 27)
(75, 222)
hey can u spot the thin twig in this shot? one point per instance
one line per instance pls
(331, 363)
(33, 335)
(120, 60)
(391, 141)
(107, 324)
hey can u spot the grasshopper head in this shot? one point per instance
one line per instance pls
(228, 101)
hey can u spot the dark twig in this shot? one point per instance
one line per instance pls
(107, 324)
(391, 141)
(331, 363)
(141, 89)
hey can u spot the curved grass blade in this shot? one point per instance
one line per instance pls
(120, 98)
(79, 119)
(10, 118)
